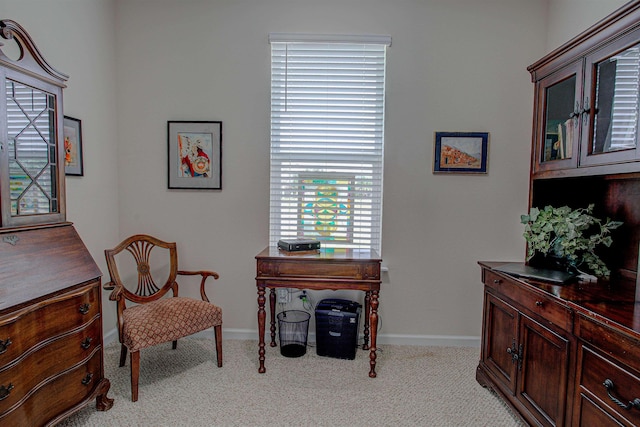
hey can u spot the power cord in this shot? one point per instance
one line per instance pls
(307, 302)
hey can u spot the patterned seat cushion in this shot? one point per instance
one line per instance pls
(167, 319)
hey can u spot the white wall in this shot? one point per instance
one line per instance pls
(77, 37)
(458, 65)
(453, 66)
(568, 18)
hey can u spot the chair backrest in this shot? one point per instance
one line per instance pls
(140, 246)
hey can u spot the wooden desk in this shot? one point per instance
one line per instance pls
(357, 269)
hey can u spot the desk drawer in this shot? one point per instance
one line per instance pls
(546, 306)
(625, 386)
(27, 328)
(333, 269)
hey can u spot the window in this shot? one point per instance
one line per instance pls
(327, 134)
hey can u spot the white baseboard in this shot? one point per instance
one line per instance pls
(390, 339)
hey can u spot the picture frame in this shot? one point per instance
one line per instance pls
(461, 152)
(195, 155)
(73, 160)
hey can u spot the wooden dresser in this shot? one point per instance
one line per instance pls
(562, 354)
(51, 347)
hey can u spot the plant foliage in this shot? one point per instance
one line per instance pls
(568, 233)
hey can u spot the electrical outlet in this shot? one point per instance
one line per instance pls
(284, 296)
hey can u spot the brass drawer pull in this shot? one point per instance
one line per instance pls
(497, 281)
(5, 391)
(86, 343)
(84, 308)
(4, 345)
(87, 379)
(635, 403)
(538, 303)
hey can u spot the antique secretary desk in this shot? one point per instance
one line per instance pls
(51, 344)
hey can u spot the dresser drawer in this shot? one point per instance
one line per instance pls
(623, 385)
(611, 341)
(547, 307)
(36, 367)
(58, 395)
(33, 325)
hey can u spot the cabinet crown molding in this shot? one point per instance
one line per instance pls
(30, 60)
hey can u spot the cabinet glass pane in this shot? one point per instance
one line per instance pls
(31, 149)
(616, 104)
(560, 123)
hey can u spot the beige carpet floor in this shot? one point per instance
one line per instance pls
(416, 386)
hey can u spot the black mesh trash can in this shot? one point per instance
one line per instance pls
(293, 326)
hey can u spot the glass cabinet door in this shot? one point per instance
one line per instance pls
(613, 112)
(558, 130)
(30, 164)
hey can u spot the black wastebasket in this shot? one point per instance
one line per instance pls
(293, 326)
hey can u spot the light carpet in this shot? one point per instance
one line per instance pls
(415, 386)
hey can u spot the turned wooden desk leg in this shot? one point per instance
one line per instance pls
(374, 332)
(272, 311)
(367, 314)
(261, 319)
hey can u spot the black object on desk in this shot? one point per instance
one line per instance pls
(518, 269)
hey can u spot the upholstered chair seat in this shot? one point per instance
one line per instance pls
(165, 320)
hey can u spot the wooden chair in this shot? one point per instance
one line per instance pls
(154, 319)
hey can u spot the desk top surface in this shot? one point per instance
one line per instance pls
(326, 254)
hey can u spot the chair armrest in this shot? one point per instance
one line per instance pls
(115, 290)
(205, 275)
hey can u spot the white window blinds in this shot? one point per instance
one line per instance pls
(624, 110)
(327, 134)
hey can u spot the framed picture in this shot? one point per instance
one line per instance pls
(461, 152)
(73, 164)
(195, 155)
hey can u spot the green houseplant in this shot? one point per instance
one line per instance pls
(568, 235)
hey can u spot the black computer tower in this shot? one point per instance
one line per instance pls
(337, 328)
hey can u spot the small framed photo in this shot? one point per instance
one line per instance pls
(195, 155)
(73, 164)
(461, 152)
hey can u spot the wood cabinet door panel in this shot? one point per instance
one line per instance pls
(558, 100)
(543, 384)
(501, 329)
(610, 134)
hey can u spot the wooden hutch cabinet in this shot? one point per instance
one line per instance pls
(51, 343)
(586, 101)
(569, 354)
